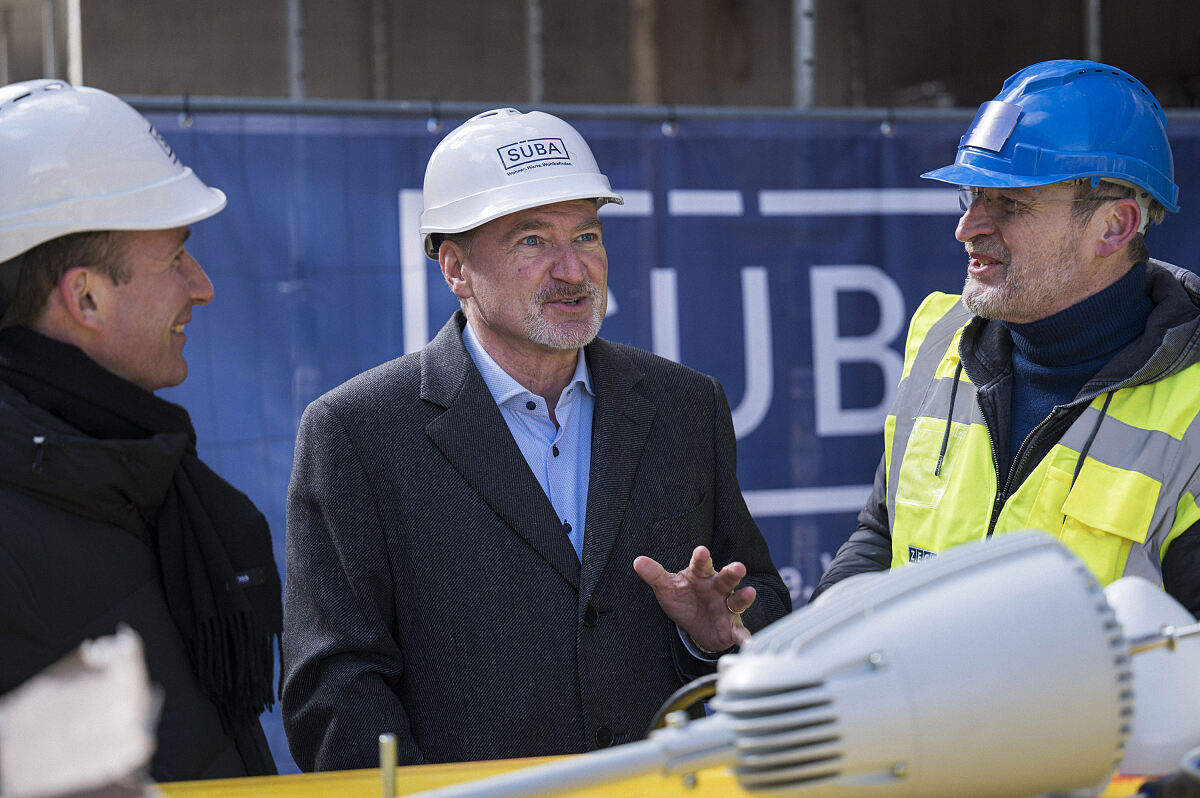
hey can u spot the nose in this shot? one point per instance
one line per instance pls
(568, 265)
(975, 221)
(200, 288)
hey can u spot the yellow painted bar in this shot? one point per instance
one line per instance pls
(712, 783)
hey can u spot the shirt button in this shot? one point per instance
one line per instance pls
(531, 405)
(567, 527)
(604, 737)
(589, 616)
(554, 449)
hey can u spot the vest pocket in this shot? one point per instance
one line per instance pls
(917, 484)
(1104, 514)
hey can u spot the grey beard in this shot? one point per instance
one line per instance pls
(542, 332)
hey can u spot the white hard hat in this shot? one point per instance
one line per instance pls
(503, 161)
(76, 159)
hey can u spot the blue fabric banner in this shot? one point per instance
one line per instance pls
(781, 256)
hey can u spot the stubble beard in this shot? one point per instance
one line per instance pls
(1020, 296)
(571, 335)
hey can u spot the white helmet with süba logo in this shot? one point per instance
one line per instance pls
(503, 161)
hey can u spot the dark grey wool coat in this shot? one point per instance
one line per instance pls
(432, 593)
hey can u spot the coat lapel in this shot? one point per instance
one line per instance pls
(620, 425)
(473, 436)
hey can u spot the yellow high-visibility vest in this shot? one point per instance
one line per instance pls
(1118, 510)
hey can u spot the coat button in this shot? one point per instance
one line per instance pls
(589, 616)
(604, 737)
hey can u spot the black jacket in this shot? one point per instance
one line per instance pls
(76, 561)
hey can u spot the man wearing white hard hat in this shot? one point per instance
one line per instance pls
(466, 524)
(107, 515)
(1061, 390)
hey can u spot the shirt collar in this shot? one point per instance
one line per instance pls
(500, 383)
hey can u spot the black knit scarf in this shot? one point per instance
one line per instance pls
(214, 547)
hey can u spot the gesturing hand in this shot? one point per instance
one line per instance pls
(702, 601)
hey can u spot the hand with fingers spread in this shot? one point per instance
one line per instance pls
(705, 603)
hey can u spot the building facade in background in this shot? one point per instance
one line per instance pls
(862, 53)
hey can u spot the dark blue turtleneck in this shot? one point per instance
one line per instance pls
(1053, 358)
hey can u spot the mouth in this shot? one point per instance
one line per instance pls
(568, 301)
(572, 301)
(981, 262)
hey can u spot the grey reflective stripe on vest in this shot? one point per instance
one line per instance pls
(1171, 462)
(937, 402)
(911, 393)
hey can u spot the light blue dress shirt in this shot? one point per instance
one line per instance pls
(561, 458)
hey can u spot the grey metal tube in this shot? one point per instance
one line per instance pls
(804, 52)
(74, 43)
(5, 41)
(49, 39)
(536, 46)
(1092, 30)
(380, 51)
(294, 26)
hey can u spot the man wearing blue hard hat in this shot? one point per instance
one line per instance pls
(1061, 390)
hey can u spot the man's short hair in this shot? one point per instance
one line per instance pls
(1093, 197)
(464, 239)
(44, 265)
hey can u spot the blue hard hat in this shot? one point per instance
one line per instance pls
(1062, 120)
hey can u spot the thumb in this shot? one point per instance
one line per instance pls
(649, 570)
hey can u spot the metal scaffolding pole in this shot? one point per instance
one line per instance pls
(74, 43)
(536, 45)
(294, 25)
(804, 53)
(5, 40)
(49, 39)
(645, 83)
(1092, 29)
(380, 60)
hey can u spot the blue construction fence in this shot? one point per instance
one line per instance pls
(781, 255)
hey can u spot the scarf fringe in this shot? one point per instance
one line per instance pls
(234, 663)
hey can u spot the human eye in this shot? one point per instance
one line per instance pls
(1012, 206)
(530, 241)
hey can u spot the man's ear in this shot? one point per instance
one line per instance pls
(451, 258)
(77, 291)
(1121, 221)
